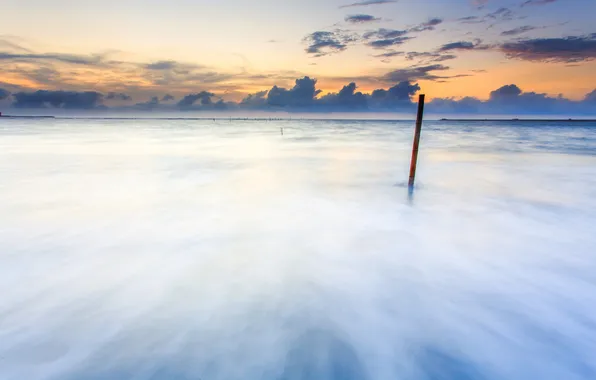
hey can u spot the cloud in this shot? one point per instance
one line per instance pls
(567, 49)
(428, 57)
(301, 95)
(422, 58)
(461, 45)
(428, 25)
(304, 96)
(168, 98)
(383, 33)
(398, 96)
(500, 15)
(382, 44)
(518, 30)
(58, 99)
(471, 20)
(368, 2)
(383, 38)
(512, 100)
(503, 14)
(361, 19)
(322, 43)
(4, 94)
(346, 98)
(204, 97)
(57, 71)
(118, 96)
(256, 100)
(505, 92)
(149, 105)
(64, 58)
(415, 73)
(389, 54)
(537, 2)
(162, 65)
(466, 105)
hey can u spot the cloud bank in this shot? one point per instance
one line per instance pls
(304, 96)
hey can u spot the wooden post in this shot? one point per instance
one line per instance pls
(416, 143)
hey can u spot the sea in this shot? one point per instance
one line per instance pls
(291, 249)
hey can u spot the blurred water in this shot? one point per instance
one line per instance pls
(222, 250)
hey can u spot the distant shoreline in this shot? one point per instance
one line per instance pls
(26, 117)
(471, 120)
(520, 120)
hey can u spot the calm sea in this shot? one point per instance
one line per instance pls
(223, 250)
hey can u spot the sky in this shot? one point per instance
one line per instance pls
(148, 54)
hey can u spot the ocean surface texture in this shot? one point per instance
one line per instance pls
(222, 250)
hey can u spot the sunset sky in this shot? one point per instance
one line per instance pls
(139, 49)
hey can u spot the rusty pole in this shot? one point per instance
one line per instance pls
(416, 143)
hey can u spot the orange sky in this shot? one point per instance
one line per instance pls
(234, 48)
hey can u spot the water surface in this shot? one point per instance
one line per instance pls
(197, 249)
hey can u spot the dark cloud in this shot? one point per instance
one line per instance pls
(322, 43)
(4, 94)
(301, 95)
(537, 2)
(385, 43)
(505, 92)
(460, 45)
(384, 38)
(58, 99)
(368, 2)
(512, 100)
(467, 105)
(256, 100)
(118, 96)
(398, 96)
(384, 33)
(428, 25)
(168, 98)
(203, 97)
(567, 49)
(512, 97)
(518, 30)
(149, 105)
(415, 73)
(361, 19)
(346, 98)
